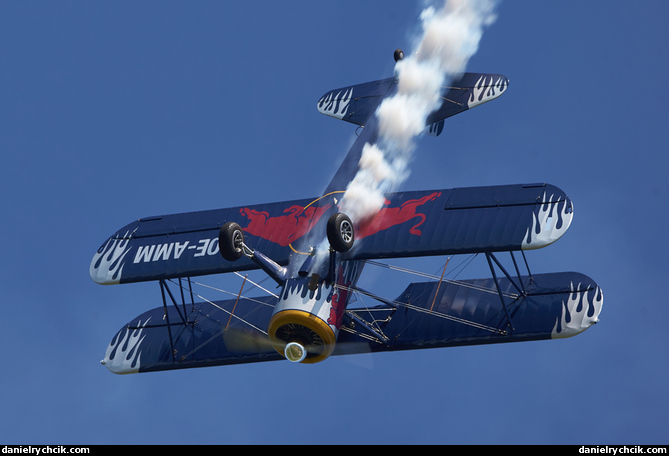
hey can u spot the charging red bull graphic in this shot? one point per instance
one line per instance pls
(297, 221)
(282, 229)
(391, 216)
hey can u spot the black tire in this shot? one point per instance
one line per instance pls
(340, 232)
(230, 239)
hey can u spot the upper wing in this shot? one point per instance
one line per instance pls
(438, 222)
(465, 220)
(186, 244)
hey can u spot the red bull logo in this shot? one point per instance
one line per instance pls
(283, 229)
(297, 221)
(391, 216)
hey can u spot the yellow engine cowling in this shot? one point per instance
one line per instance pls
(310, 338)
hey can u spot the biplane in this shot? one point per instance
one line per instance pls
(315, 254)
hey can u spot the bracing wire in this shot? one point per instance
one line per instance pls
(437, 278)
(231, 314)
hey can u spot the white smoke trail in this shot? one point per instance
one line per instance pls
(450, 37)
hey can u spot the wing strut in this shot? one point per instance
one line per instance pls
(529, 273)
(515, 265)
(163, 287)
(183, 316)
(520, 287)
(167, 317)
(236, 301)
(439, 285)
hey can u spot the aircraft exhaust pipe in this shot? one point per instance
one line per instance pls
(295, 352)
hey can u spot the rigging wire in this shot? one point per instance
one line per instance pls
(460, 283)
(211, 287)
(257, 285)
(231, 314)
(433, 313)
(225, 310)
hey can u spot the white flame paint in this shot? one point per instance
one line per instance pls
(544, 230)
(484, 92)
(295, 296)
(107, 264)
(125, 349)
(335, 105)
(576, 310)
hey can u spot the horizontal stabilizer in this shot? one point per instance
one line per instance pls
(355, 104)
(425, 315)
(417, 223)
(466, 92)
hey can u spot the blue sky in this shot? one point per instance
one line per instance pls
(114, 111)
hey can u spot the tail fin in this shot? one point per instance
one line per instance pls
(355, 104)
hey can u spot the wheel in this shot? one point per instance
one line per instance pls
(230, 240)
(340, 232)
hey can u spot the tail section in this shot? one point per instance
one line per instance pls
(466, 92)
(357, 103)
